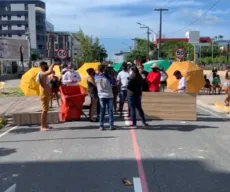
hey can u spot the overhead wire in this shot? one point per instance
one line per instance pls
(213, 5)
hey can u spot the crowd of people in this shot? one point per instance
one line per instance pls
(215, 86)
(104, 87)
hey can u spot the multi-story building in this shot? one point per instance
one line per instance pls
(49, 27)
(61, 40)
(121, 56)
(22, 18)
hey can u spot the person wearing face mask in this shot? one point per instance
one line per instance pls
(45, 92)
(153, 79)
(71, 77)
(182, 85)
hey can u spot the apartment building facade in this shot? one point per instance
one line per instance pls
(61, 40)
(20, 19)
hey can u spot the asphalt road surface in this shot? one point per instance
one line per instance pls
(167, 156)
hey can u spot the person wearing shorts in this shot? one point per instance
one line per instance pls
(45, 92)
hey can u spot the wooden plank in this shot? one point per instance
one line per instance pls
(171, 106)
(34, 118)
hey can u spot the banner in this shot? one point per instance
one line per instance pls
(14, 49)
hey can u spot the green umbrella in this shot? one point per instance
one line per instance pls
(117, 66)
(165, 64)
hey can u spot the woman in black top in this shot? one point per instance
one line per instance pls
(54, 83)
(92, 91)
(134, 96)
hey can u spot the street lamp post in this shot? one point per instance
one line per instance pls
(148, 33)
(29, 52)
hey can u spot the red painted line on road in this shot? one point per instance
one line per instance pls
(140, 166)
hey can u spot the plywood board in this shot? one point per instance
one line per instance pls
(169, 106)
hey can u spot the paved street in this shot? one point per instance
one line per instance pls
(75, 156)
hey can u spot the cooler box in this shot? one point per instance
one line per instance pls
(72, 100)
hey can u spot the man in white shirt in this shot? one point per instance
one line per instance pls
(122, 79)
(182, 85)
(71, 77)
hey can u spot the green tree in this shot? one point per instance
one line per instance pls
(168, 49)
(90, 50)
(140, 51)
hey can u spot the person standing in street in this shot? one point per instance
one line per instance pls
(153, 79)
(45, 92)
(163, 80)
(105, 94)
(71, 77)
(182, 85)
(54, 83)
(134, 96)
(144, 75)
(92, 92)
(122, 80)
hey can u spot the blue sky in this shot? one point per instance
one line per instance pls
(114, 21)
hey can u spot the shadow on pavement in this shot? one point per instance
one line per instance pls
(56, 139)
(184, 128)
(32, 129)
(163, 175)
(212, 119)
(6, 151)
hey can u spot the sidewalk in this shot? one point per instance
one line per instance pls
(10, 105)
(209, 101)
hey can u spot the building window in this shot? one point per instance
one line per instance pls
(56, 46)
(19, 16)
(19, 34)
(26, 6)
(19, 25)
(9, 35)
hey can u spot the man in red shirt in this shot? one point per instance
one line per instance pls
(153, 79)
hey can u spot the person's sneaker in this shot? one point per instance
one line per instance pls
(112, 128)
(145, 124)
(133, 126)
(101, 129)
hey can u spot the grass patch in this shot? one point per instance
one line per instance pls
(12, 92)
(1, 126)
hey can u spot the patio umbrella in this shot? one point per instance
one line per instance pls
(28, 83)
(165, 64)
(193, 74)
(117, 66)
(83, 73)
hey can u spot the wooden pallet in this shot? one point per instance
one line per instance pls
(169, 106)
(34, 118)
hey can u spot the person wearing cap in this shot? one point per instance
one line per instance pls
(71, 77)
(154, 79)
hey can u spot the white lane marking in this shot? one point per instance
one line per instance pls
(172, 155)
(56, 151)
(200, 157)
(212, 113)
(11, 189)
(15, 175)
(137, 184)
(1, 135)
(180, 148)
(182, 122)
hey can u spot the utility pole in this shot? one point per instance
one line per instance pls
(160, 34)
(51, 47)
(148, 34)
